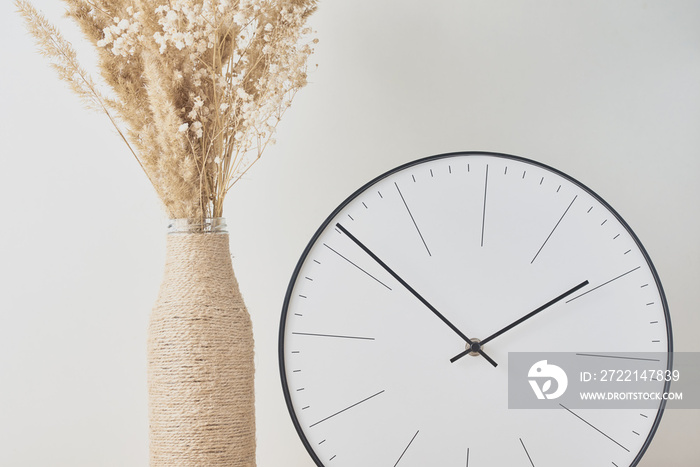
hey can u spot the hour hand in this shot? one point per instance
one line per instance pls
(524, 318)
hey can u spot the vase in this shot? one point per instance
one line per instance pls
(200, 355)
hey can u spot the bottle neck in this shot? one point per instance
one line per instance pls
(215, 225)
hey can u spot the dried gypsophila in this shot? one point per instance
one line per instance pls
(200, 84)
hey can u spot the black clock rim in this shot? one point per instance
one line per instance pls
(349, 199)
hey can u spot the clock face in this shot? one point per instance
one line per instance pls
(434, 259)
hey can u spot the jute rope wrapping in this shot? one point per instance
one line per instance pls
(200, 359)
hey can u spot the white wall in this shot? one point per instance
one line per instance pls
(605, 91)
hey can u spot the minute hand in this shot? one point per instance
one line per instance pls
(413, 291)
(524, 318)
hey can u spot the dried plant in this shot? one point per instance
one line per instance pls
(195, 88)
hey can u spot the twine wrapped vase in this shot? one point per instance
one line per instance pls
(200, 355)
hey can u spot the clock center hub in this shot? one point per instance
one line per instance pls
(474, 347)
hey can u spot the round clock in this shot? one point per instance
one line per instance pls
(402, 311)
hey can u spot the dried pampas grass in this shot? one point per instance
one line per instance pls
(195, 88)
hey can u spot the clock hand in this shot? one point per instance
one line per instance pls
(474, 346)
(524, 318)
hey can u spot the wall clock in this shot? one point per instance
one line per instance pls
(404, 306)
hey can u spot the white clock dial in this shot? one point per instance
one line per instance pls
(445, 251)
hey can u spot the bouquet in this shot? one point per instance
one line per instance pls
(195, 88)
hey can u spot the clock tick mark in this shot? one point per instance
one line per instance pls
(449, 168)
(656, 341)
(589, 209)
(300, 389)
(643, 415)
(483, 212)
(617, 356)
(468, 170)
(615, 464)
(414, 178)
(332, 335)
(308, 278)
(603, 223)
(317, 262)
(555, 228)
(321, 442)
(412, 219)
(589, 424)
(604, 283)
(524, 172)
(380, 194)
(467, 457)
(346, 408)
(650, 303)
(644, 285)
(296, 371)
(431, 173)
(627, 251)
(653, 322)
(363, 203)
(635, 432)
(505, 172)
(541, 180)
(295, 351)
(358, 267)
(615, 237)
(302, 296)
(404, 451)
(527, 453)
(298, 314)
(304, 408)
(350, 217)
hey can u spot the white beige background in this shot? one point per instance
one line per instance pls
(608, 92)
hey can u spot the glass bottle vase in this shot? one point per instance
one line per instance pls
(200, 354)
